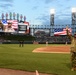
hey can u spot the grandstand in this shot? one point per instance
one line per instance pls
(42, 33)
(53, 40)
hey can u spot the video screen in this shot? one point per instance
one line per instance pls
(8, 26)
(13, 26)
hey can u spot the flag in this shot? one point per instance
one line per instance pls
(14, 23)
(61, 31)
(4, 22)
(26, 23)
(2, 15)
(37, 72)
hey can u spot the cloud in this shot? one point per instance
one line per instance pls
(26, 0)
(35, 7)
(59, 19)
(63, 15)
(49, 1)
(6, 0)
(62, 21)
(56, 1)
(44, 19)
(63, 18)
(6, 5)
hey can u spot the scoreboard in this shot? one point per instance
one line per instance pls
(22, 28)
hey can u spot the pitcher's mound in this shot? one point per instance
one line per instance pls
(53, 49)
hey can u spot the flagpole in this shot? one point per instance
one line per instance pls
(10, 16)
(24, 18)
(17, 17)
(21, 17)
(6, 16)
(14, 15)
(2, 16)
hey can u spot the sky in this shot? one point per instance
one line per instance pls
(37, 12)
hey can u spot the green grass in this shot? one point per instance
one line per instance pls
(15, 57)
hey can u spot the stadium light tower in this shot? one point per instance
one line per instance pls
(73, 20)
(52, 13)
(73, 16)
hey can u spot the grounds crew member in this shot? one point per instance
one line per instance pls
(21, 44)
(73, 49)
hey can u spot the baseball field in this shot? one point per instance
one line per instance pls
(52, 59)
